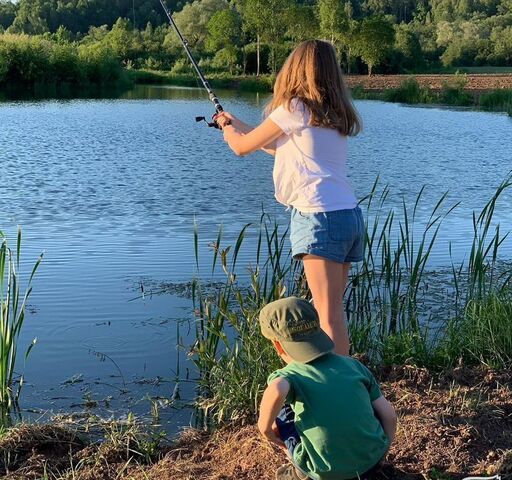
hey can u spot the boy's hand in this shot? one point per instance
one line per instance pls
(272, 437)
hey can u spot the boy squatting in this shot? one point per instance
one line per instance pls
(324, 409)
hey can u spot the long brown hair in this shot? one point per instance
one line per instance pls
(313, 75)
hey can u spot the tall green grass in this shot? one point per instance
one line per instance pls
(398, 309)
(409, 91)
(497, 101)
(232, 356)
(12, 316)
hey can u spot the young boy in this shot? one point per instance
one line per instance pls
(337, 425)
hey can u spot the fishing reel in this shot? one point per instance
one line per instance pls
(213, 123)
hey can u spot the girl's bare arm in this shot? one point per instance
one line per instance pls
(257, 138)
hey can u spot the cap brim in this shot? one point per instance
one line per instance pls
(307, 350)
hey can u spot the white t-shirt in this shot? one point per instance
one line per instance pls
(310, 165)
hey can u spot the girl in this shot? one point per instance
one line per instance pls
(308, 121)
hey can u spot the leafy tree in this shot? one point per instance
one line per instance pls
(301, 23)
(193, 24)
(120, 39)
(62, 35)
(408, 53)
(332, 20)
(7, 13)
(374, 38)
(227, 56)
(224, 30)
(502, 40)
(32, 17)
(266, 19)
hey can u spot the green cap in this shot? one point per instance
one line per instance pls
(294, 323)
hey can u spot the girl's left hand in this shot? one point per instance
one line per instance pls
(223, 119)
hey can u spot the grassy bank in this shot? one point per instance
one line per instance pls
(454, 94)
(451, 425)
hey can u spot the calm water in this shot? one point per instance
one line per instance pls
(109, 190)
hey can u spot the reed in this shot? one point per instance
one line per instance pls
(12, 316)
(230, 353)
(483, 334)
(395, 311)
(497, 101)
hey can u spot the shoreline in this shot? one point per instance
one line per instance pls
(489, 92)
(472, 82)
(451, 425)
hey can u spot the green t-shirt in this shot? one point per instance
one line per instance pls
(332, 400)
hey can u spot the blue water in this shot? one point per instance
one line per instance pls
(109, 190)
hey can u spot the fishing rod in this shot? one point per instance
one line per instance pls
(206, 85)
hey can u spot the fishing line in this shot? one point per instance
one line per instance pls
(213, 98)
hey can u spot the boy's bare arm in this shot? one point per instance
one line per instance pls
(387, 417)
(271, 404)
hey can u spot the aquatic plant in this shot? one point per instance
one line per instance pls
(12, 315)
(230, 353)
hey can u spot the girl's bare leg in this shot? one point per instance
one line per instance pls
(327, 281)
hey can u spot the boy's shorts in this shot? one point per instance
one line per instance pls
(285, 422)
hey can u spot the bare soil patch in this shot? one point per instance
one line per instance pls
(451, 425)
(475, 82)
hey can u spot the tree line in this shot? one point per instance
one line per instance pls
(255, 36)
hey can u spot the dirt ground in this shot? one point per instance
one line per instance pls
(451, 426)
(475, 82)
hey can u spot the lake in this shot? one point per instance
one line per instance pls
(109, 190)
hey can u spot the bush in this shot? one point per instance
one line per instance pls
(454, 95)
(181, 66)
(32, 60)
(99, 64)
(498, 100)
(409, 92)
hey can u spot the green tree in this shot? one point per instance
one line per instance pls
(266, 20)
(224, 30)
(502, 41)
(332, 20)
(374, 38)
(193, 24)
(226, 57)
(408, 53)
(120, 39)
(62, 35)
(32, 17)
(301, 23)
(7, 13)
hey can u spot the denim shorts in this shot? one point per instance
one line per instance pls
(336, 235)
